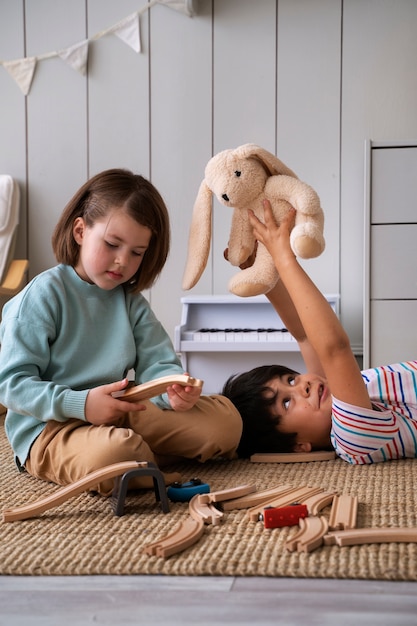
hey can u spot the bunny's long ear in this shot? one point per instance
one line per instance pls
(199, 238)
(271, 163)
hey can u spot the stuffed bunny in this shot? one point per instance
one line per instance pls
(241, 179)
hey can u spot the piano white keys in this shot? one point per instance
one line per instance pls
(223, 335)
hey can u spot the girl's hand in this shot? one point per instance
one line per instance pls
(275, 237)
(183, 398)
(102, 408)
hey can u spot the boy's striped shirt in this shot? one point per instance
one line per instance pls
(389, 430)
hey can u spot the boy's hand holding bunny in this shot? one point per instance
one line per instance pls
(275, 237)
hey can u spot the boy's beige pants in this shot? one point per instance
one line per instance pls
(67, 451)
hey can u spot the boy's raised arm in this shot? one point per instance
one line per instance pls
(321, 325)
(284, 306)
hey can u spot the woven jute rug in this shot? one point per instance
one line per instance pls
(84, 537)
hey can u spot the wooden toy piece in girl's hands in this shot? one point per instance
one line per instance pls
(156, 387)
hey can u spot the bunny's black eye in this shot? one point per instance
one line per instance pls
(237, 173)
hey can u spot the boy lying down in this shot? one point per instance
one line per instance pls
(367, 417)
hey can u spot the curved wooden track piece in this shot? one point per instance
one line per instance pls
(318, 502)
(204, 511)
(227, 494)
(294, 495)
(186, 534)
(358, 536)
(344, 512)
(310, 536)
(155, 387)
(55, 499)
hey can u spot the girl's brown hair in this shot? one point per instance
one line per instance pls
(117, 189)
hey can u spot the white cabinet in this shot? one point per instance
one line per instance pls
(390, 299)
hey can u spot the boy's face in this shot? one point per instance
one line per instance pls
(305, 405)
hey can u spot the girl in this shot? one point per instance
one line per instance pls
(70, 337)
(366, 416)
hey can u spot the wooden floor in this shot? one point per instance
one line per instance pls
(178, 601)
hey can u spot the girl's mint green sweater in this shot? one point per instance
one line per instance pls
(60, 337)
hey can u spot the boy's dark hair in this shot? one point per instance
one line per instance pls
(122, 190)
(260, 423)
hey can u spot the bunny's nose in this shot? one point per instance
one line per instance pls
(225, 197)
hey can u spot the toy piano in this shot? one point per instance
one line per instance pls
(223, 335)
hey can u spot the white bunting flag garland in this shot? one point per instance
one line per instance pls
(180, 5)
(22, 70)
(128, 30)
(76, 56)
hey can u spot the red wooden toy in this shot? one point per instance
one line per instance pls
(277, 517)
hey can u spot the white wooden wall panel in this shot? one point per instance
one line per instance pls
(56, 109)
(244, 102)
(118, 92)
(379, 102)
(181, 103)
(308, 138)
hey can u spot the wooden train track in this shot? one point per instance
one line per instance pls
(34, 509)
(313, 530)
(344, 512)
(293, 495)
(319, 501)
(205, 511)
(257, 498)
(186, 534)
(358, 536)
(155, 387)
(293, 457)
(232, 494)
(310, 535)
(202, 510)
